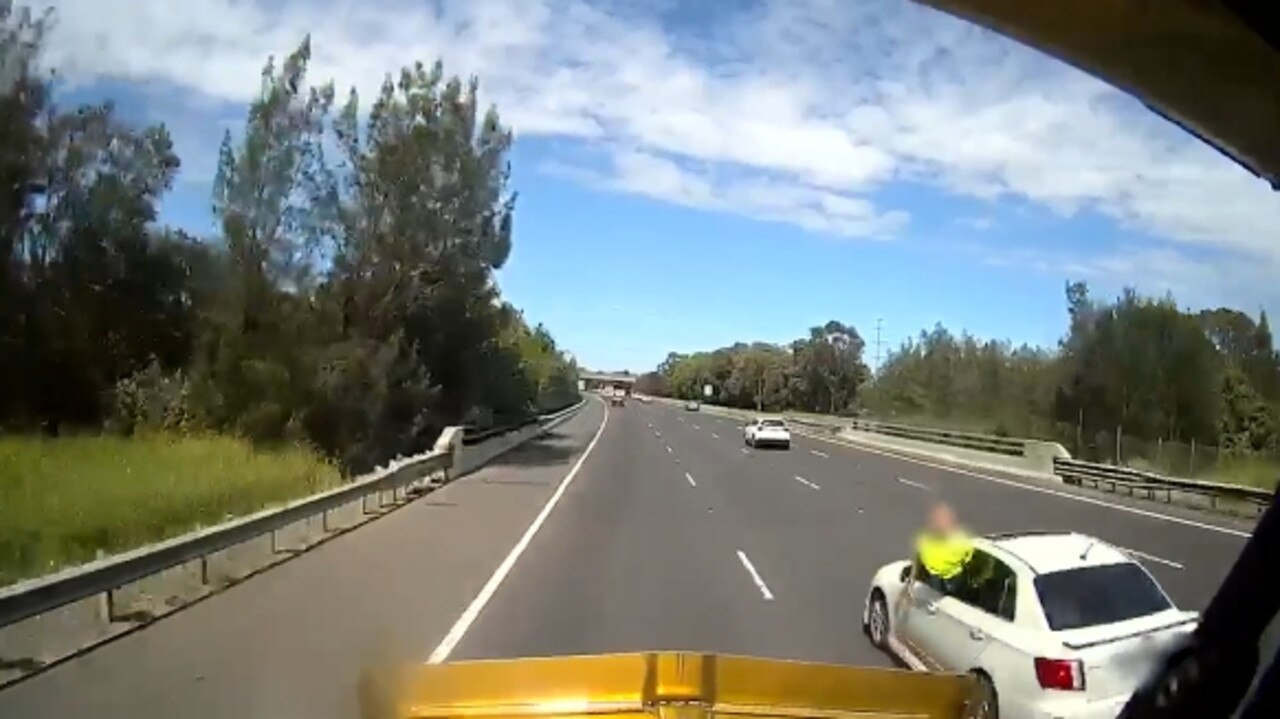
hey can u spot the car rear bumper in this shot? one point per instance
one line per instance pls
(1058, 706)
(772, 441)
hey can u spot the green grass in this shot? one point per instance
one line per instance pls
(64, 500)
(1250, 471)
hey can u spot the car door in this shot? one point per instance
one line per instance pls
(916, 618)
(977, 608)
(917, 622)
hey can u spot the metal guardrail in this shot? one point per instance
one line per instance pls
(1075, 471)
(33, 597)
(473, 436)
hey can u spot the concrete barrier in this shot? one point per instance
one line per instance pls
(1037, 466)
(1024, 457)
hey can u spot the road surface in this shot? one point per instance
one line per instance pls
(668, 533)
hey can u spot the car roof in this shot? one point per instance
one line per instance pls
(770, 418)
(1045, 552)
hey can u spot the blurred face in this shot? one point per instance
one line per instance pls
(941, 519)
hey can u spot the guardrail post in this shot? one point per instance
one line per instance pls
(204, 570)
(109, 606)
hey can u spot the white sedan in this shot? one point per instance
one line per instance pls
(1055, 625)
(766, 431)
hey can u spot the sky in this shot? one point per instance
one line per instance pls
(691, 174)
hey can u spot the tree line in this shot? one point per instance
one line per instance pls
(1137, 366)
(347, 299)
(821, 372)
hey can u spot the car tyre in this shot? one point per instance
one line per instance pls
(878, 621)
(987, 704)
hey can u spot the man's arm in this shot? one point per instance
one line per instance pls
(916, 572)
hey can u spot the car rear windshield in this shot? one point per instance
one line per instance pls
(772, 423)
(1091, 596)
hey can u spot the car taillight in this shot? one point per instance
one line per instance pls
(1066, 674)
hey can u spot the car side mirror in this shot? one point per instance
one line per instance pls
(906, 574)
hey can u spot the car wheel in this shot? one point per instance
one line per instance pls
(878, 622)
(986, 704)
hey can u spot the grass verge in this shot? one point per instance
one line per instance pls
(64, 500)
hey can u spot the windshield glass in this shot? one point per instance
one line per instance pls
(501, 311)
(1090, 596)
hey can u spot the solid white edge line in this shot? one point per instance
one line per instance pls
(690, 478)
(1042, 490)
(1152, 557)
(917, 485)
(806, 482)
(472, 612)
(755, 576)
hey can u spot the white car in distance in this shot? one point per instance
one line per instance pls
(1056, 625)
(767, 431)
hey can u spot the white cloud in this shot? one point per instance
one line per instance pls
(813, 208)
(1227, 280)
(976, 223)
(794, 110)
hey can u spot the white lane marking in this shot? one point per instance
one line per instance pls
(1151, 557)
(746, 451)
(806, 482)
(668, 449)
(1043, 490)
(656, 433)
(690, 478)
(650, 424)
(715, 436)
(680, 418)
(469, 615)
(917, 485)
(816, 453)
(755, 576)
(696, 427)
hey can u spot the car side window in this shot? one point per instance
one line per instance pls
(927, 578)
(988, 584)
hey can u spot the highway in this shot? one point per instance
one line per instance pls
(641, 527)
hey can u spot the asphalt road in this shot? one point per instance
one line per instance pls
(669, 533)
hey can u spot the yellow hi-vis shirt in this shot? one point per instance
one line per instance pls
(944, 556)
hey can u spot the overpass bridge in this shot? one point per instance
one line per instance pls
(601, 380)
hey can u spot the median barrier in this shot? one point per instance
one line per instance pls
(1031, 458)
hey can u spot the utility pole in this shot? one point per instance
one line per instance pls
(879, 320)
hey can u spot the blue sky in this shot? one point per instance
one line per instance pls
(692, 174)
